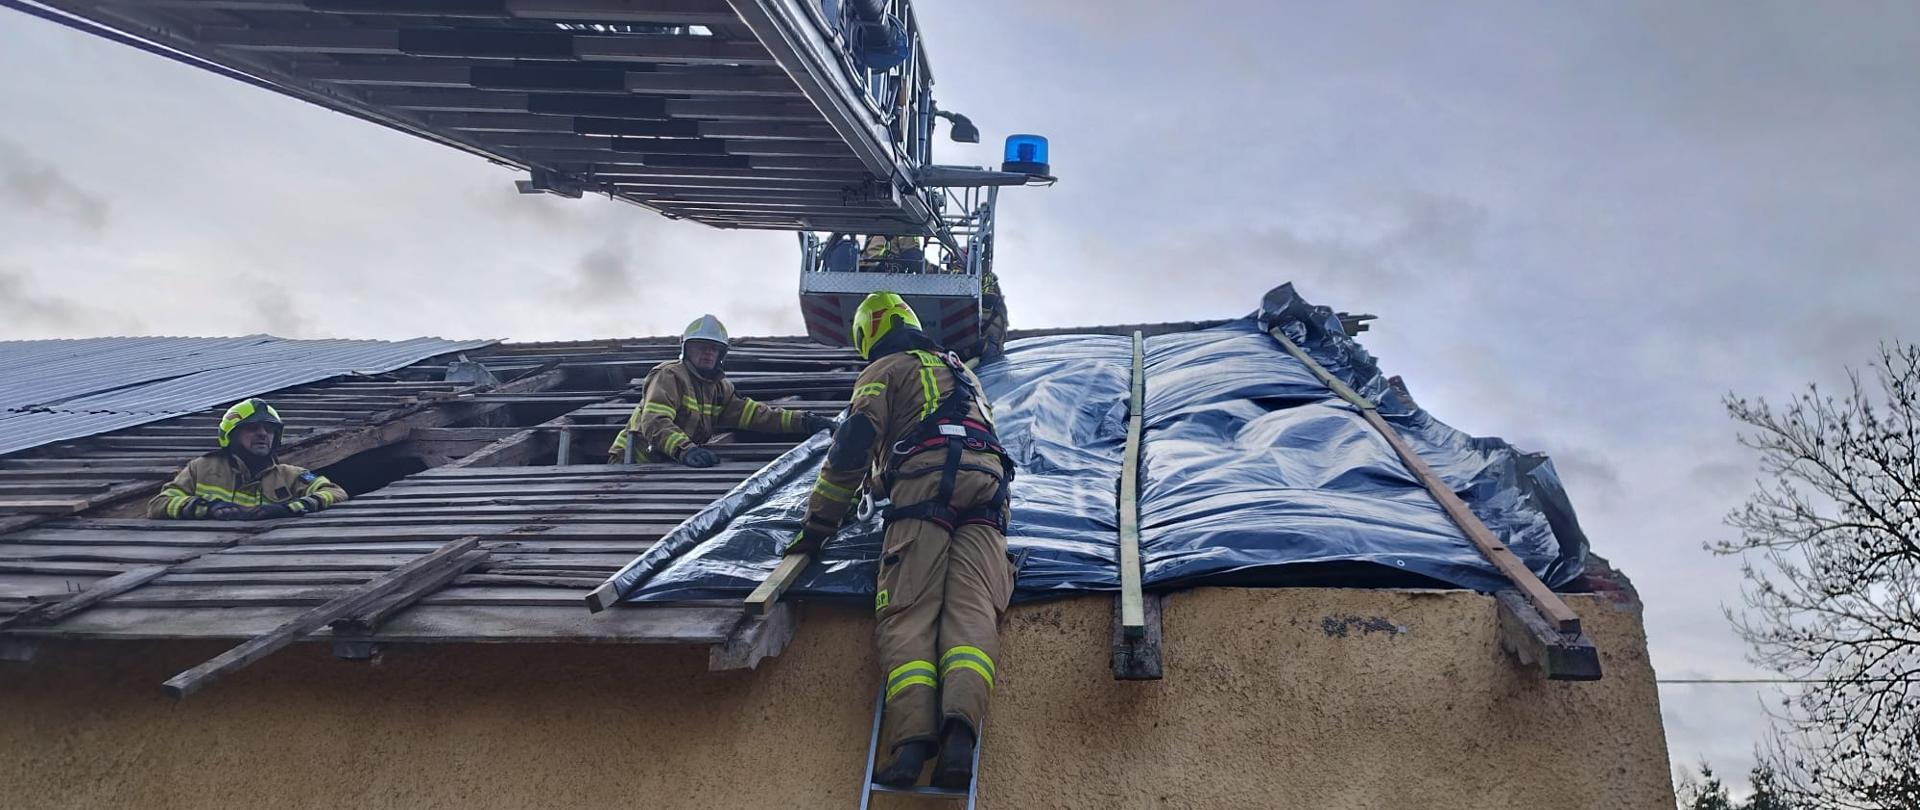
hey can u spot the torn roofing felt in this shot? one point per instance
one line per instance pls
(1253, 473)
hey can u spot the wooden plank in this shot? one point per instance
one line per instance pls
(1503, 559)
(468, 624)
(784, 575)
(609, 507)
(44, 506)
(445, 531)
(370, 618)
(1139, 659)
(714, 488)
(561, 562)
(26, 489)
(44, 587)
(192, 680)
(76, 568)
(511, 579)
(694, 500)
(586, 472)
(1527, 636)
(541, 545)
(59, 535)
(1544, 599)
(1133, 619)
(756, 639)
(269, 577)
(104, 589)
(482, 624)
(13, 552)
(231, 563)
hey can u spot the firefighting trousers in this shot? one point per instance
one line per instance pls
(942, 592)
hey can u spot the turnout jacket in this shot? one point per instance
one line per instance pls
(220, 477)
(680, 411)
(892, 397)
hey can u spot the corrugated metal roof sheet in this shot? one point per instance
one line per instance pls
(52, 390)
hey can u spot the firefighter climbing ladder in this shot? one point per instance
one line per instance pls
(971, 794)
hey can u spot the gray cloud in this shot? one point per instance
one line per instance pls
(278, 313)
(38, 186)
(21, 306)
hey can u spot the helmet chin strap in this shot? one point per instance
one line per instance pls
(254, 461)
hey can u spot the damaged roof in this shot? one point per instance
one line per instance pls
(500, 484)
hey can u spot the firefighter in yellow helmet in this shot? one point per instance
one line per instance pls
(899, 254)
(686, 402)
(242, 480)
(920, 422)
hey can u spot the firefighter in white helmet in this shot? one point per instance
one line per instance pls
(687, 401)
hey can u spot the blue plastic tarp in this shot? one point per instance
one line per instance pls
(1253, 473)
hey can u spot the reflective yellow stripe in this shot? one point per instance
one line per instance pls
(176, 498)
(212, 492)
(675, 440)
(911, 673)
(968, 663)
(870, 390)
(832, 491)
(786, 420)
(660, 408)
(697, 407)
(930, 387)
(965, 657)
(917, 680)
(929, 384)
(747, 413)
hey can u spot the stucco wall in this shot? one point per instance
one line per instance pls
(1272, 698)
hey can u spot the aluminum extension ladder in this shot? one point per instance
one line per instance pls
(971, 794)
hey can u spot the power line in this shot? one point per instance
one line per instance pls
(1785, 680)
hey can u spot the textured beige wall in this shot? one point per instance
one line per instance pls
(1273, 698)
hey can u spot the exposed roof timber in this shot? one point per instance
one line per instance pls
(491, 44)
(666, 12)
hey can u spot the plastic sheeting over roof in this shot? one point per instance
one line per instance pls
(51, 390)
(1254, 473)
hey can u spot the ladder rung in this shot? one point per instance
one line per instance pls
(920, 791)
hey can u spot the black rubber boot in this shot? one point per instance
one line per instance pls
(906, 766)
(955, 768)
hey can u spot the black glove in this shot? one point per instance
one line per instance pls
(227, 511)
(813, 423)
(272, 511)
(699, 457)
(804, 542)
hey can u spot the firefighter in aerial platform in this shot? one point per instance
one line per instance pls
(993, 318)
(686, 402)
(920, 421)
(242, 480)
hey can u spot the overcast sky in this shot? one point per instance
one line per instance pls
(1581, 224)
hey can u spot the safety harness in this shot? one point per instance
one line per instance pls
(951, 425)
